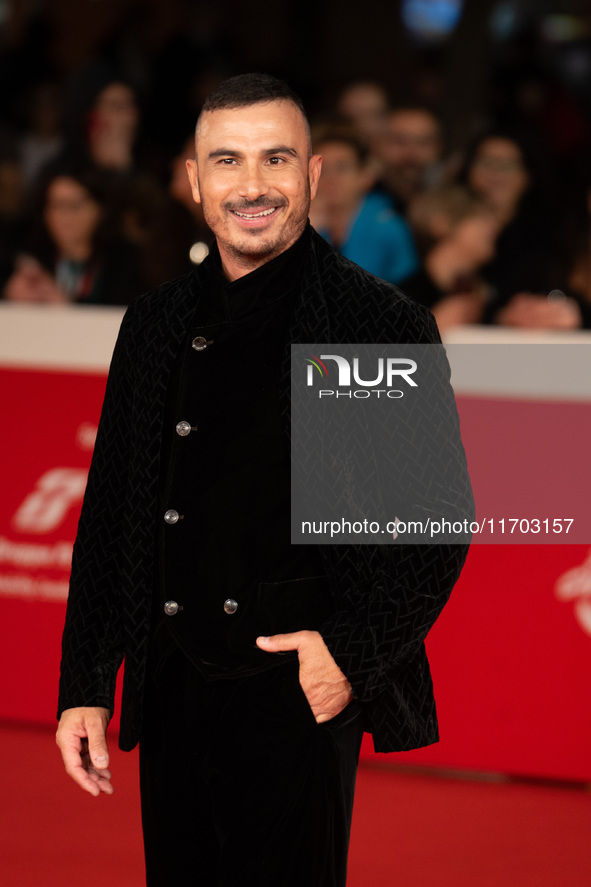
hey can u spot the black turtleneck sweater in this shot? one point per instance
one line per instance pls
(225, 472)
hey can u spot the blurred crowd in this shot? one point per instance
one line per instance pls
(489, 233)
(484, 235)
(84, 217)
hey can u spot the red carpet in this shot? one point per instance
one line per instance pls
(408, 831)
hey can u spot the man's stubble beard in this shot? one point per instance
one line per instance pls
(262, 251)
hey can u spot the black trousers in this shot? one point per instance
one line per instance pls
(241, 786)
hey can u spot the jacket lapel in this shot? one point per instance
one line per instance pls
(309, 322)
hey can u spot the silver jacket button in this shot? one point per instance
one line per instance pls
(171, 608)
(171, 516)
(230, 606)
(200, 344)
(183, 428)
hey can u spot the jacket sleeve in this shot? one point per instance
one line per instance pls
(92, 648)
(390, 599)
(389, 595)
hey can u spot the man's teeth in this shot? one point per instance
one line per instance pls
(264, 212)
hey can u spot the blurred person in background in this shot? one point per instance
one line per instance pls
(362, 226)
(456, 236)
(11, 202)
(364, 104)
(527, 275)
(409, 151)
(73, 252)
(179, 189)
(43, 139)
(103, 125)
(105, 118)
(170, 235)
(578, 237)
(111, 127)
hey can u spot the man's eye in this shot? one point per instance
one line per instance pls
(275, 161)
(227, 161)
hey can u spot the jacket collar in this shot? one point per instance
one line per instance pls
(310, 321)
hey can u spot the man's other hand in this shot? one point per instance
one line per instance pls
(327, 689)
(81, 737)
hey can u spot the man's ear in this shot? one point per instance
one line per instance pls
(194, 180)
(314, 167)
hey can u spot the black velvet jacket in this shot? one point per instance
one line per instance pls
(385, 597)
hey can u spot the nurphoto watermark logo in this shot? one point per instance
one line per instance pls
(344, 373)
(375, 444)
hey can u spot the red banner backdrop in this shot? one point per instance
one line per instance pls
(49, 427)
(511, 653)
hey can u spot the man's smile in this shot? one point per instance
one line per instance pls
(255, 215)
(255, 218)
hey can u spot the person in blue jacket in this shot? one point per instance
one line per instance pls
(362, 226)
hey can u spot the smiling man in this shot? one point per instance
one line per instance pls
(252, 666)
(254, 175)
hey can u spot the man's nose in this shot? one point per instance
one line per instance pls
(253, 182)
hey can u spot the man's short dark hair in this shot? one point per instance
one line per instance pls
(251, 89)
